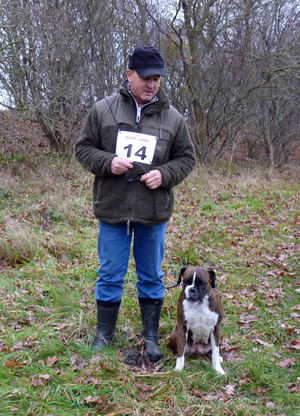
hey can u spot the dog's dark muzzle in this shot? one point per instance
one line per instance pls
(195, 295)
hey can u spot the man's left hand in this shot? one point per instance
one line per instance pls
(152, 179)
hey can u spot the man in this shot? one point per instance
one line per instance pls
(138, 147)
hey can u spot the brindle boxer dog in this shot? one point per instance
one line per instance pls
(199, 316)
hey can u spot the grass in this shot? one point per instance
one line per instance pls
(244, 223)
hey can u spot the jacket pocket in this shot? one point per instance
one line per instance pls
(163, 144)
(164, 204)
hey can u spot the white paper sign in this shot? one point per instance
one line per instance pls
(138, 147)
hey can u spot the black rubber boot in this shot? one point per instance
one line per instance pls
(150, 314)
(107, 315)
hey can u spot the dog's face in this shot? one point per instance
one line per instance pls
(197, 282)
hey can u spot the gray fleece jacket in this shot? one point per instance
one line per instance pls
(117, 200)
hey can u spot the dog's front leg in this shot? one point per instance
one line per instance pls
(181, 344)
(215, 355)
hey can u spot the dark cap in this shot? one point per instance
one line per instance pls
(146, 61)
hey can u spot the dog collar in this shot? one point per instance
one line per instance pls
(208, 296)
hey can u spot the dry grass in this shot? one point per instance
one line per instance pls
(243, 222)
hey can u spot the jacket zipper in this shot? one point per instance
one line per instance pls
(137, 120)
(138, 115)
(139, 109)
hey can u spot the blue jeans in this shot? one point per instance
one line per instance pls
(114, 244)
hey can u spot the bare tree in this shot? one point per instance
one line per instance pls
(233, 66)
(273, 105)
(221, 55)
(58, 59)
(210, 76)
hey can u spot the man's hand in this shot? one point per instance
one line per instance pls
(120, 165)
(152, 179)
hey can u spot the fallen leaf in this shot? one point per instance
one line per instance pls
(52, 360)
(294, 388)
(295, 344)
(143, 387)
(37, 381)
(210, 397)
(13, 363)
(97, 401)
(259, 390)
(287, 363)
(74, 359)
(3, 347)
(105, 366)
(92, 380)
(224, 397)
(229, 389)
(260, 342)
(91, 399)
(198, 393)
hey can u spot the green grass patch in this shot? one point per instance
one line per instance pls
(245, 224)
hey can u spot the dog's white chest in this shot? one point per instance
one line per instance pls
(200, 320)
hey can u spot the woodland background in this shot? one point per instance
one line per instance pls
(233, 67)
(233, 71)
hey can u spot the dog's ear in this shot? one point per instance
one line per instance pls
(212, 276)
(181, 273)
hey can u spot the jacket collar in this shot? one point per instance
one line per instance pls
(157, 104)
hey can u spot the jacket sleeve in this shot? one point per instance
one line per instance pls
(88, 147)
(182, 157)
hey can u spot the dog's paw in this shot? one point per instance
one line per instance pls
(220, 370)
(179, 364)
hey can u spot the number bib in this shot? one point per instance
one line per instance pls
(138, 147)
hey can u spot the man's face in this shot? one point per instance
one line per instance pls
(144, 89)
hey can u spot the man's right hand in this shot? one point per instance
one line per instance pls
(120, 165)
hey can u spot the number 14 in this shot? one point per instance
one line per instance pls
(139, 153)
